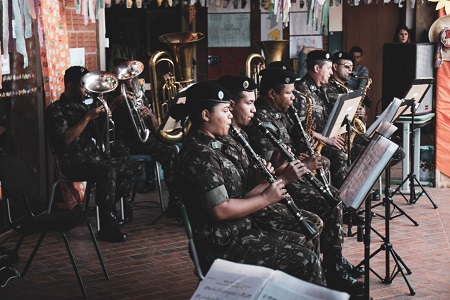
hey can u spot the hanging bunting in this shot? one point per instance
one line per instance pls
(5, 27)
(19, 31)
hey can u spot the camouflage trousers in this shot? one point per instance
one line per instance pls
(113, 178)
(308, 198)
(278, 217)
(338, 164)
(273, 249)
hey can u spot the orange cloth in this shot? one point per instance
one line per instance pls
(443, 115)
(54, 44)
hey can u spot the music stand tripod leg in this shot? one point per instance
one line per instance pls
(423, 192)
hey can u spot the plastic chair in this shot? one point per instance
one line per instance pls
(190, 236)
(14, 177)
(144, 158)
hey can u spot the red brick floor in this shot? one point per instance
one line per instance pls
(154, 263)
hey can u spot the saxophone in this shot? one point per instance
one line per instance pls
(313, 149)
(358, 125)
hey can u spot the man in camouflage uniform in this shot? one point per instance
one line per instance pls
(277, 215)
(276, 97)
(319, 71)
(337, 85)
(70, 124)
(128, 143)
(216, 196)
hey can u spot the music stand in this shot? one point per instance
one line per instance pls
(356, 187)
(417, 93)
(341, 117)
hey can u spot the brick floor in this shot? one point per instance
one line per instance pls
(154, 263)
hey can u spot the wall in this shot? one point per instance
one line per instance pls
(81, 35)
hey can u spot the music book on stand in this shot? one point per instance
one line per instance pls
(388, 115)
(344, 107)
(366, 169)
(229, 280)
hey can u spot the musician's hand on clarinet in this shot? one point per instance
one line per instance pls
(293, 171)
(313, 162)
(275, 192)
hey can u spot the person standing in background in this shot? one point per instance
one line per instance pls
(402, 35)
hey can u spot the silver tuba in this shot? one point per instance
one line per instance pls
(100, 82)
(127, 72)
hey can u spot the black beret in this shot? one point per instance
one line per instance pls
(237, 83)
(280, 64)
(274, 76)
(207, 91)
(341, 55)
(319, 55)
(197, 95)
(74, 73)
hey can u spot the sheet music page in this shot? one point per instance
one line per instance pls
(388, 115)
(366, 170)
(282, 286)
(344, 107)
(171, 123)
(386, 129)
(229, 280)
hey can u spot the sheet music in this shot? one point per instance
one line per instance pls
(366, 170)
(389, 115)
(229, 280)
(386, 129)
(345, 106)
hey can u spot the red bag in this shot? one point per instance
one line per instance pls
(72, 193)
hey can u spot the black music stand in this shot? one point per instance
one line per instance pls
(358, 185)
(412, 176)
(387, 245)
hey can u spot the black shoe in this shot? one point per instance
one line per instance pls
(338, 278)
(112, 236)
(355, 272)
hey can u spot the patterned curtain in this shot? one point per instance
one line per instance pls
(54, 46)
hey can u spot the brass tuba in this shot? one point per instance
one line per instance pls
(101, 82)
(127, 72)
(273, 51)
(168, 74)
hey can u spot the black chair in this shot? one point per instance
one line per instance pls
(14, 177)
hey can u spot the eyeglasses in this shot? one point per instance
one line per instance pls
(347, 65)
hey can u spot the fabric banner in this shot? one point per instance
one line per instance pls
(54, 46)
(443, 115)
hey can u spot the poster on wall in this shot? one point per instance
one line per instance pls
(227, 6)
(229, 30)
(271, 30)
(298, 42)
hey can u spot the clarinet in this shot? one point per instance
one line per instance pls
(311, 152)
(316, 183)
(307, 229)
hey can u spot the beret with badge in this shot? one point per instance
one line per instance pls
(319, 55)
(275, 76)
(237, 83)
(74, 74)
(198, 95)
(341, 55)
(280, 64)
